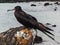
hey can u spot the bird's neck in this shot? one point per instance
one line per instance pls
(18, 10)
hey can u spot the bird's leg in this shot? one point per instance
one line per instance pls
(36, 32)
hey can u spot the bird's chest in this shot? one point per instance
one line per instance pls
(21, 20)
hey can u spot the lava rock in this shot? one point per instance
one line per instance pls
(33, 5)
(55, 9)
(57, 3)
(53, 25)
(10, 37)
(48, 24)
(46, 4)
(38, 39)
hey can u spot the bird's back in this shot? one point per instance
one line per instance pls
(26, 19)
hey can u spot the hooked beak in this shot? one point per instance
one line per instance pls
(10, 9)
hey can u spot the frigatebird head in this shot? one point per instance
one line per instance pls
(17, 8)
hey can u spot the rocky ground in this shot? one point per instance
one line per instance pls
(8, 37)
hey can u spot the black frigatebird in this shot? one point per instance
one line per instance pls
(30, 21)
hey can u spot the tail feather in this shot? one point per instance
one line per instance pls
(45, 32)
(48, 32)
(49, 29)
(43, 29)
(40, 24)
(49, 36)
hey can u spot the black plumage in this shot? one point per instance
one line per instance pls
(30, 21)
